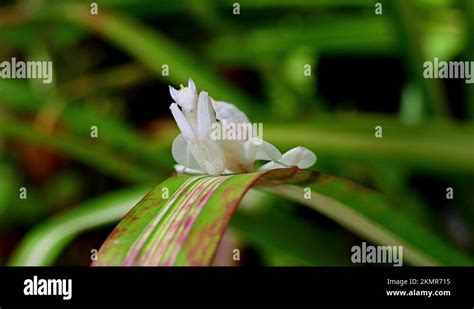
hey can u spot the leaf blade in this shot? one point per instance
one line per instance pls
(185, 229)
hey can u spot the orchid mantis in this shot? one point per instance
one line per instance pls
(197, 153)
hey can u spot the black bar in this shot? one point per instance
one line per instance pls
(222, 285)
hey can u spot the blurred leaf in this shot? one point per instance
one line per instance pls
(13, 210)
(336, 34)
(116, 134)
(281, 232)
(369, 215)
(411, 105)
(86, 151)
(469, 55)
(351, 137)
(155, 50)
(43, 244)
(8, 187)
(411, 35)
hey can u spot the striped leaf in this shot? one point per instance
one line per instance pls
(181, 221)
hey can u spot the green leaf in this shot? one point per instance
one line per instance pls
(44, 243)
(370, 215)
(181, 221)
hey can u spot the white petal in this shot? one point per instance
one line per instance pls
(182, 122)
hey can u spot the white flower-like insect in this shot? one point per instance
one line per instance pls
(197, 153)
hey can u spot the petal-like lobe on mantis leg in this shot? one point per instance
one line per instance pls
(182, 122)
(182, 154)
(300, 157)
(266, 151)
(206, 116)
(229, 112)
